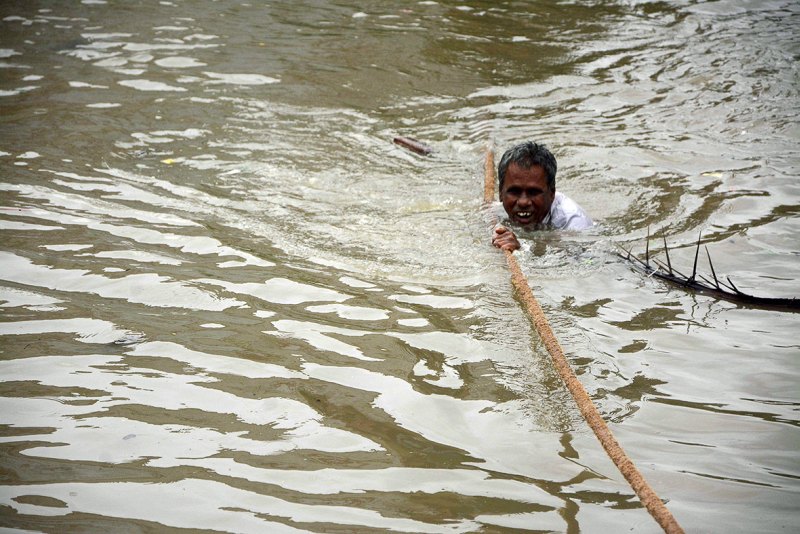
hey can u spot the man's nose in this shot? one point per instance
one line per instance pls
(525, 199)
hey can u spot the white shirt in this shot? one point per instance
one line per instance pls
(566, 214)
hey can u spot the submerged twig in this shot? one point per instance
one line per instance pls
(412, 144)
(696, 253)
(726, 291)
(666, 251)
(713, 272)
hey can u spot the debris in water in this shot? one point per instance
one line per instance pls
(413, 145)
(727, 291)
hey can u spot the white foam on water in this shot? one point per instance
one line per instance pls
(458, 348)
(179, 62)
(188, 133)
(200, 37)
(185, 243)
(102, 438)
(21, 298)
(315, 335)
(415, 289)
(116, 61)
(434, 301)
(59, 248)
(94, 36)
(214, 363)
(204, 504)
(88, 205)
(461, 423)
(141, 57)
(87, 330)
(20, 90)
(150, 139)
(417, 322)
(358, 313)
(19, 225)
(149, 85)
(139, 256)
(281, 291)
(89, 54)
(81, 85)
(355, 282)
(548, 521)
(240, 79)
(149, 47)
(329, 481)
(145, 288)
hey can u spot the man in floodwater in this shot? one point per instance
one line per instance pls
(527, 176)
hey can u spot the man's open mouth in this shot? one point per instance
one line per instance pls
(523, 216)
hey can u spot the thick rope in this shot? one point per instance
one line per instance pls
(587, 408)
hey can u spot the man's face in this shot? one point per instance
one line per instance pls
(525, 194)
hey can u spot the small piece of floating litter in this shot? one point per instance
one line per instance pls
(412, 144)
(726, 291)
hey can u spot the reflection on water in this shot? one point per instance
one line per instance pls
(230, 302)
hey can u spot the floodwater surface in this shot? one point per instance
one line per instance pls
(228, 302)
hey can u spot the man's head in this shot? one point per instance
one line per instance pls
(526, 155)
(527, 175)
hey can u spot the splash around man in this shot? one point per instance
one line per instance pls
(527, 176)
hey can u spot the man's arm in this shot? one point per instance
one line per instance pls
(505, 239)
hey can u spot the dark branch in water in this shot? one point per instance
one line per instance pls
(713, 272)
(696, 253)
(413, 145)
(718, 289)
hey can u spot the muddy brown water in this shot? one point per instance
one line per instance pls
(228, 302)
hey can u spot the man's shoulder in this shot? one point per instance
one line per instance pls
(566, 214)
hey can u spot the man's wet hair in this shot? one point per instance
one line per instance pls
(526, 155)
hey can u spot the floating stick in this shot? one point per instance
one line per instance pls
(412, 144)
(716, 282)
(680, 278)
(696, 253)
(723, 290)
(733, 286)
(666, 251)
